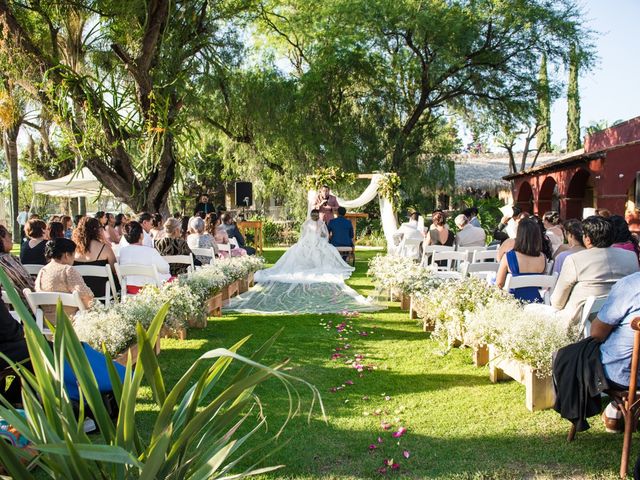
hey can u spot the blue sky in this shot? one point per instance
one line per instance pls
(611, 90)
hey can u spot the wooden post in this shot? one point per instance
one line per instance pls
(480, 356)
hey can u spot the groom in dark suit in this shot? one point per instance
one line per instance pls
(341, 230)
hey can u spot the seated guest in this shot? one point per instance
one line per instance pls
(32, 251)
(612, 327)
(135, 253)
(341, 230)
(93, 250)
(622, 237)
(573, 232)
(173, 244)
(60, 276)
(203, 206)
(592, 271)
(509, 243)
(157, 229)
(198, 238)
(439, 233)
(112, 233)
(14, 346)
(469, 236)
(472, 214)
(234, 232)
(67, 223)
(56, 230)
(409, 230)
(507, 228)
(215, 228)
(553, 230)
(144, 219)
(118, 225)
(12, 266)
(526, 258)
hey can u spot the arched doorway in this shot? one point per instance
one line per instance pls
(548, 198)
(579, 194)
(525, 197)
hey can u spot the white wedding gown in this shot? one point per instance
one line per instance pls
(308, 278)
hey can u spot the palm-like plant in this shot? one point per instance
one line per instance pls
(196, 430)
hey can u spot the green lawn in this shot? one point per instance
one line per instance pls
(459, 425)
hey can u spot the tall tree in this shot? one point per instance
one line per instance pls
(543, 137)
(126, 111)
(11, 117)
(574, 142)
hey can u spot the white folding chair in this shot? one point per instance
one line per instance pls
(452, 259)
(224, 247)
(10, 306)
(410, 247)
(484, 256)
(590, 309)
(205, 252)
(181, 259)
(471, 250)
(428, 250)
(116, 250)
(32, 269)
(39, 299)
(482, 269)
(110, 291)
(233, 242)
(543, 282)
(148, 271)
(549, 268)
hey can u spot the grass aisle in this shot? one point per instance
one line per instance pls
(459, 425)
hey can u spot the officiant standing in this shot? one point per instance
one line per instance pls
(327, 204)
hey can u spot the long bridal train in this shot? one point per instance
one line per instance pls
(308, 278)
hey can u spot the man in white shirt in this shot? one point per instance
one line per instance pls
(468, 235)
(145, 220)
(409, 231)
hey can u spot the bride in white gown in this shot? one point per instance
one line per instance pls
(312, 259)
(308, 278)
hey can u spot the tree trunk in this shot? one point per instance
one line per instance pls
(10, 140)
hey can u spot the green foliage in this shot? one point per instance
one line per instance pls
(330, 176)
(195, 429)
(574, 141)
(543, 139)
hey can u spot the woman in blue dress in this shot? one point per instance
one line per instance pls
(526, 258)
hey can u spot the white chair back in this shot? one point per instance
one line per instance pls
(224, 247)
(471, 250)
(10, 307)
(410, 247)
(482, 269)
(233, 242)
(110, 291)
(590, 309)
(452, 259)
(32, 269)
(39, 299)
(484, 256)
(181, 259)
(428, 250)
(205, 252)
(543, 282)
(124, 271)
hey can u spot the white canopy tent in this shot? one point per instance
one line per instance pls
(76, 184)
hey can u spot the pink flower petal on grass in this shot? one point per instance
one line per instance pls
(379, 439)
(349, 382)
(395, 466)
(382, 470)
(386, 426)
(373, 446)
(406, 454)
(401, 431)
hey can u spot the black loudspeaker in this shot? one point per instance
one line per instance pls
(244, 194)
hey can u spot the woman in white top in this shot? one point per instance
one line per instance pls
(137, 254)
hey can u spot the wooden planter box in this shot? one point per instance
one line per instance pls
(250, 279)
(244, 285)
(540, 393)
(180, 334)
(413, 315)
(405, 302)
(480, 356)
(230, 291)
(199, 321)
(122, 358)
(213, 305)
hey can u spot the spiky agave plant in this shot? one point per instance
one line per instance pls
(195, 434)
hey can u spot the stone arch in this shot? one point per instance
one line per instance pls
(524, 199)
(579, 194)
(548, 198)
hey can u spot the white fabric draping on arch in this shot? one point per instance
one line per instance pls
(387, 216)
